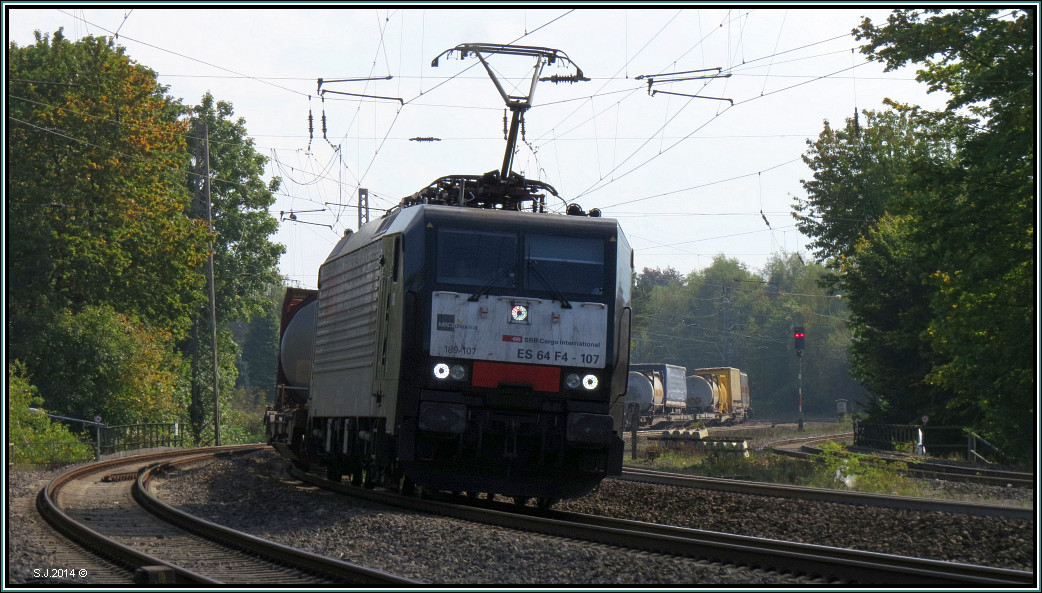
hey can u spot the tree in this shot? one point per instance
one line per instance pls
(863, 171)
(985, 297)
(889, 312)
(99, 362)
(864, 201)
(726, 315)
(96, 197)
(102, 260)
(258, 342)
(245, 261)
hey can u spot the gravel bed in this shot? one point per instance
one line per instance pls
(32, 547)
(253, 493)
(25, 553)
(988, 541)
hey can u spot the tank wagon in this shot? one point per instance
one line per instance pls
(655, 391)
(466, 341)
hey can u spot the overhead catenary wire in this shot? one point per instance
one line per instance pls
(601, 131)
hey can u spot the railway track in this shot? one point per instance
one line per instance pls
(804, 449)
(106, 507)
(815, 564)
(822, 494)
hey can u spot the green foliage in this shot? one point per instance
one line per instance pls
(201, 401)
(258, 341)
(938, 260)
(834, 468)
(34, 438)
(100, 362)
(245, 262)
(890, 310)
(726, 315)
(858, 472)
(107, 240)
(861, 172)
(95, 189)
(243, 419)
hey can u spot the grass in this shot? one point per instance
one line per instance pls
(833, 470)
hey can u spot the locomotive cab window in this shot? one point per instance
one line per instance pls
(477, 258)
(572, 265)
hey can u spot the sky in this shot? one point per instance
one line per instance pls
(688, 178)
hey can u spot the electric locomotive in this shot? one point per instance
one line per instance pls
(462, 349)
(466, 341)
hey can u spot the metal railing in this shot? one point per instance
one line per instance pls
(130, 437)
(109, 440)
(937, 441)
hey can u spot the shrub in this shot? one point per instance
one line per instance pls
(98, 362)
(33, 437)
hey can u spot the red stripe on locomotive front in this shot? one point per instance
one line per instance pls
(493, 374)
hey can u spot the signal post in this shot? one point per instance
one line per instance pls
(797, 335)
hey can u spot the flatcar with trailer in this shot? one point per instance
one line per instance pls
(467, 341)
(656, 392)
(719, 395)
(668, 395)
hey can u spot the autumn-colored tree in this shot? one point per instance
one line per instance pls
(96, 196)
(98, 362)
(103, 262)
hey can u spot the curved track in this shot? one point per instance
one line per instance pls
(820, 563)
(97, 506)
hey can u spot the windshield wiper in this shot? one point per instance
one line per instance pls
(484, 289)
(549, 286)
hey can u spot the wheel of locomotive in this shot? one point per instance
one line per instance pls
(334, 470)
(544, 504)
(356, 472)
(406, 487)
(520, 501)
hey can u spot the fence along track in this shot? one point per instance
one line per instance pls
(117, 532)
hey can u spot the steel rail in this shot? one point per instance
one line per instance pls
(826, 495)
(925, 469)
(104, 546)
(831, 564)
(341, 571)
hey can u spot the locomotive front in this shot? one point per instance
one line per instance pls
(523, 354)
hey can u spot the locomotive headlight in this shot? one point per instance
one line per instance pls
(572, 381)
(590, 382)
(458, 372)
(519, 313)
(441, 371)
